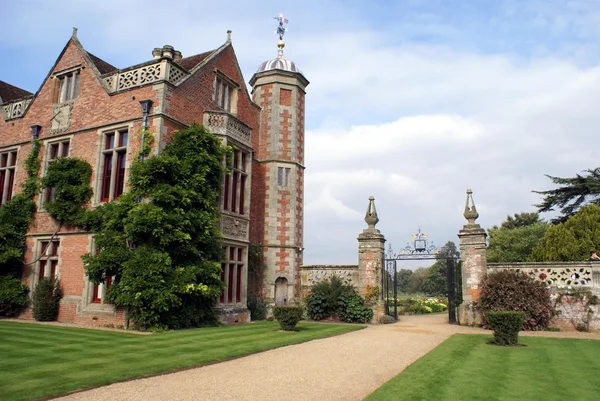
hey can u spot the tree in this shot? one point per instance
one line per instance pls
(572, 240)
(402, 279)
(416, 280)
(160, 240)
(516, 238)
(572, 194)
(436, 281)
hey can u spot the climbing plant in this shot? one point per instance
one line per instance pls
(15, 216)
(160, 240)
(69, 180)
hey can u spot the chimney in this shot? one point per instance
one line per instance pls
(167, 51)
(156, 53)
(178, 56)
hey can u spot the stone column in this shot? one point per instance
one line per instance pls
(474, 265)
(371, 248)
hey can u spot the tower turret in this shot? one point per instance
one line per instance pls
(278, 173)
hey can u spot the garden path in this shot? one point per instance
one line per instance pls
(346, 367)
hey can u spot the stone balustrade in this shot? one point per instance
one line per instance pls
(162, 70)
(15, 109)
(558, 274)
(225, 124)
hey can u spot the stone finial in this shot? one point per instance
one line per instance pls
(371, 216)
(74, 35)
(229, 36)
(157, 53)
(177, 56)
(470, 212)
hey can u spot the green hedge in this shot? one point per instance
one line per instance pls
(288, 316)
(506, 326)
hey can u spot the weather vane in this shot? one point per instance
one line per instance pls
(281, 30)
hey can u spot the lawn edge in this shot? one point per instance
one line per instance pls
(201, 365)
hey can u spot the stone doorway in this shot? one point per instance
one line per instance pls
(281, 291)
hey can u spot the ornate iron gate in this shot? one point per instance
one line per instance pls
(420, 250)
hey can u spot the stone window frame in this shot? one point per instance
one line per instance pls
(225, 92)
(100, 171)
(9, 158)
(234, 259)
(48, 145)
(283, 177)
(236, 184)
(67, 84)
(87, 304)
(43, 255)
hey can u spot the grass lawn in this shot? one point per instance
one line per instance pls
(466, 368)
(40, 361)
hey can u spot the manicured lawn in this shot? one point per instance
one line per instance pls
(466, 368)
(39, 360)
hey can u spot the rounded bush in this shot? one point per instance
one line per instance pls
(288, 316)
(13, 294)
(506, 326)
(510, 290)
(354, 310)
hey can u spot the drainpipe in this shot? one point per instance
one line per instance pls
(146, 104)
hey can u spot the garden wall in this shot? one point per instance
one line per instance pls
(562, 277)
(313, 274)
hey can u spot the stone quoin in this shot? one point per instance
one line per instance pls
(89, 109)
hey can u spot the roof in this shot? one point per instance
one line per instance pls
(8, 93)
(190, 62)
(102, 66)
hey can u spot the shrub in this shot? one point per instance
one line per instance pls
(45, 299)
(354, 310)
(510, 290)
(506, 326)
(324, 299)
(288, 316)
(13, 294)
(386, 319)
(257, 307)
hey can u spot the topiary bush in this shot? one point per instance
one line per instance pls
(13, 294)
(288, 316)
(257, 307)
(45, 299)
(506, 326)
(354, 310)
(510, 290)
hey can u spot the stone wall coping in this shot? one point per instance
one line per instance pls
(545, 265)
(332, 267)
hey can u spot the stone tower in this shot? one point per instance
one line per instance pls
(278, 174)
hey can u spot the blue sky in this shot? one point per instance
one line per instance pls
(410, 101)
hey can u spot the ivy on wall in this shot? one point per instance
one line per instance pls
(69, 179)
(15, 217)
(160, 240)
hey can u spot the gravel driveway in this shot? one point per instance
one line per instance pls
(346, 367)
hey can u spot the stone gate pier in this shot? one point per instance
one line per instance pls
(367, 275)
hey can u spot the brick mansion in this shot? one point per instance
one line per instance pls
(89, 109)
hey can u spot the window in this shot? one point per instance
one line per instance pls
(99, 290)
(231, 273)
(283, 175)
(68, 86)
(114, 156)
(234, 189)
(224, 94)
(48, 259)
(55, 150)
(8, 161)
